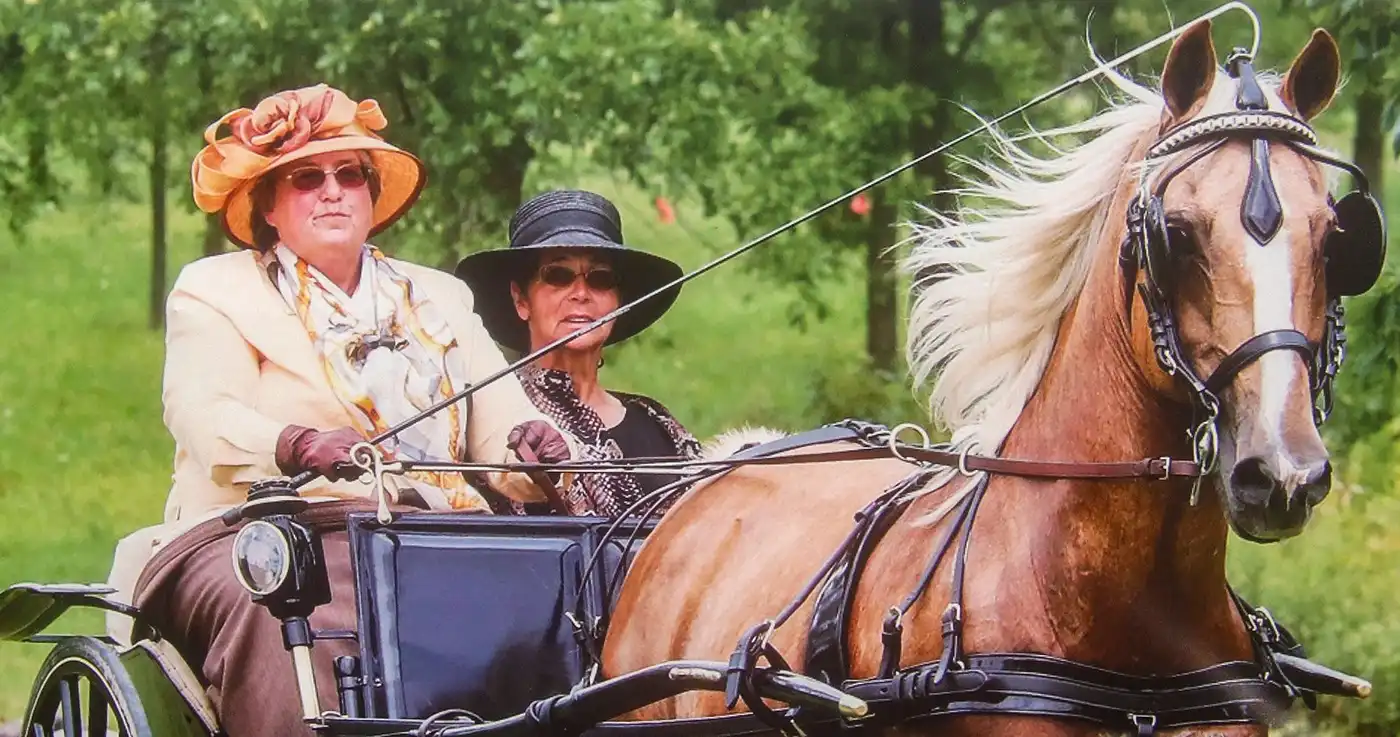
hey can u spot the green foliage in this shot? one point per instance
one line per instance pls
(1333, 587)
(1368, 30)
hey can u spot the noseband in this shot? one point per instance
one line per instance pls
(1354, 253)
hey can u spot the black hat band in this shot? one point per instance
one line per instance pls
(571, 219)
(530, 237)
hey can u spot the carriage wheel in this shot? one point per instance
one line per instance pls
(83, 690)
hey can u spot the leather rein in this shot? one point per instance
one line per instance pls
(1161, 468)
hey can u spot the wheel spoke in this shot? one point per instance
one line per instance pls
(72, 714)
(97, 709)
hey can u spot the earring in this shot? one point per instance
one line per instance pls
(601, 361)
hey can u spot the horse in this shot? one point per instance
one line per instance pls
(1076, 299)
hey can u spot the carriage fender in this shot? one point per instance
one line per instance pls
(172, 697)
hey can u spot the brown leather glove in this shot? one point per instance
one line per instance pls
(539, 440)
(327, 453)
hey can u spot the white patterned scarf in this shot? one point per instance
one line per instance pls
(388, 354)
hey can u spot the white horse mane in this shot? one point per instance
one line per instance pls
(996, 278)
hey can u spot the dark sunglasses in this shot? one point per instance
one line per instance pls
(558, 275)
(310, 178)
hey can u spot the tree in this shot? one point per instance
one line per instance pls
(1369, 33)
(107, 82)
(825, 95)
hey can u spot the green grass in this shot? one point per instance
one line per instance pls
(83, 454)
(84, 457)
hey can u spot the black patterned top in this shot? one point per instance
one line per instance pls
(646, 427)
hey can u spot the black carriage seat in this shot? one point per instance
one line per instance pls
(473, 612)
(28, 609)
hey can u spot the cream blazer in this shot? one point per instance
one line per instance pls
(239, 367)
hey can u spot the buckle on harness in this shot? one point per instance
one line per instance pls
(1146, 724)
(1166, 468)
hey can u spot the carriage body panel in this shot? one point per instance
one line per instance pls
(473, 612)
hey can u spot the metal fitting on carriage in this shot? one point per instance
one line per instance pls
(348, 682)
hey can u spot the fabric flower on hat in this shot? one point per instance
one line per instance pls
(280, 123)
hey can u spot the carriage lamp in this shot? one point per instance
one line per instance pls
(262, 558)
(280, 561)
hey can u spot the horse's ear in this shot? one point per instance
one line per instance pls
(1311, 80)
(1189, 71)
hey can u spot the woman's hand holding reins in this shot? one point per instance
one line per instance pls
(538, 439)
(327, 453)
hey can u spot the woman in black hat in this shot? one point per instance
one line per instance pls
(566, 266)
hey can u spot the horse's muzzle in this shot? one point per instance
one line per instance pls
(1270, 496)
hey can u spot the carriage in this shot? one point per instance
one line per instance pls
(588, 644)
(527, 585)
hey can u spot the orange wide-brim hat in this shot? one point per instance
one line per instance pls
(290, 126)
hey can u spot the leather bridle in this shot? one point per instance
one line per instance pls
(1146, 249)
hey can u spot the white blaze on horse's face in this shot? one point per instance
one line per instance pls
(1233, 285)
(1274, 464)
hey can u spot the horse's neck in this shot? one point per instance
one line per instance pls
(1115, 562)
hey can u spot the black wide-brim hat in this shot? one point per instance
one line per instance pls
(566, 219)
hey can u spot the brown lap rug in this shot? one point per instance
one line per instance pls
(189, 593)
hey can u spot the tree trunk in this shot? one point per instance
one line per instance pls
(927, 68)
(505, 179)
(40, 176)
(214, 239)
(1368, 145)
(158, 170)
(881, 318)
(930, 66)
(489, 211)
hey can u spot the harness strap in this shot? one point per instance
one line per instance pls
(1146, 468)
(826, 636)
(1004, 683)
(753, 647)
(1252, 349)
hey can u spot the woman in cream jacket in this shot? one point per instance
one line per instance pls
(284, 354)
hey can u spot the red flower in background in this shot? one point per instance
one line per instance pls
(664, 211)
(860, 204)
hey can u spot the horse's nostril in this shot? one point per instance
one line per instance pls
(1251, 483)
(1315, 487)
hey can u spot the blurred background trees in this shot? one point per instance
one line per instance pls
(710, 121)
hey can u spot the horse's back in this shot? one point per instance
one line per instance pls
(733, 552)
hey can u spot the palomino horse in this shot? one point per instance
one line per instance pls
(1048, 340)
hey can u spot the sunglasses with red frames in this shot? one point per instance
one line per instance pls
(310, 178)
(558, 275)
